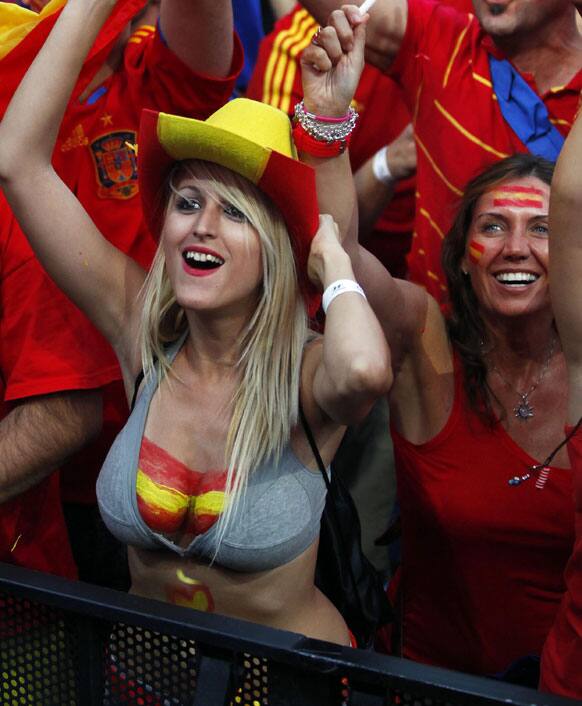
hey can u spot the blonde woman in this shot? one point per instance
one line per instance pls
(212, 482)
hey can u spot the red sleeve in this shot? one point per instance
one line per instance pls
(159, 80)
(46, 344)
(432, 31)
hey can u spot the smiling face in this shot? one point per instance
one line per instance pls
(212, 252)
(504, 18)
(506, 254)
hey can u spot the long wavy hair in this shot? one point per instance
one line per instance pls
(465, 325)
(265, 404)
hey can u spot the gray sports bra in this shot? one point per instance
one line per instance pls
(277, 519)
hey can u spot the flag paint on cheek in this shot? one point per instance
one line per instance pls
(476, 250)
(518, 197)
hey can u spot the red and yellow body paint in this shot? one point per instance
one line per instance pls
(191, 593)
(518, 196)
(475, 251)
(172, 497)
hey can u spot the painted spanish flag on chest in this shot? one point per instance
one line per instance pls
(172, 497)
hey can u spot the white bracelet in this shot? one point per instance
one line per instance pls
(340, 286)
(381, 169)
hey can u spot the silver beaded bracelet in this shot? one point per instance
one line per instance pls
(325, 130)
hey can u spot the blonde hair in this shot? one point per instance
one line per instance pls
(265, 404)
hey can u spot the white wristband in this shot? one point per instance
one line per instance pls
(381, 169)
(340, 286)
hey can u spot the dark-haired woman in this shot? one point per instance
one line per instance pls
(477, 403)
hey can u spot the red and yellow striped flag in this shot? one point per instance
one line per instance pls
(518, 196)
(23, 32)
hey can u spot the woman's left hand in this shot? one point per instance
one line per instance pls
(332, 64)
(326, 252)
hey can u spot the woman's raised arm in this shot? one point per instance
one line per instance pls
(331, 70)
(354, 369)
(566, 260)
(93, 273)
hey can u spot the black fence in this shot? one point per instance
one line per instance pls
(71, 644)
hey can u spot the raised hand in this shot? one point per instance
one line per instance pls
(332, 64)
(325, 248)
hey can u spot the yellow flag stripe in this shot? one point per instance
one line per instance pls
(515, 195)
(16, 22)
(211, 503)
(161, 496)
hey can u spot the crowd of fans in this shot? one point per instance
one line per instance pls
(177, 192)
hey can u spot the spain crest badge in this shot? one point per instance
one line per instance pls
(115, 165)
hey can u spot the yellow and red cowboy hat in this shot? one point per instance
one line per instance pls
(248, 137)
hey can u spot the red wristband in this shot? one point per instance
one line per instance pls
(317, 148)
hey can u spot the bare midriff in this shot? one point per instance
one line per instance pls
(284, 598)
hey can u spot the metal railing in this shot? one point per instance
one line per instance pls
(66, 643)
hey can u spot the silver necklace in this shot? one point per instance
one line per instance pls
(523, 410)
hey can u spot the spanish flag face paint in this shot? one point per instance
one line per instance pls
(475, 251)
(506, 253)
(516, 196)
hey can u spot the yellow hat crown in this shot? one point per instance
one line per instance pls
(240, 136)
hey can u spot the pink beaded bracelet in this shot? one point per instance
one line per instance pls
(324, 118)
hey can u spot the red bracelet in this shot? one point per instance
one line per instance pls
(317, 148)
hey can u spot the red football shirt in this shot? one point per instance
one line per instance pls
(46, 346)
(276, 80)
(443, 68)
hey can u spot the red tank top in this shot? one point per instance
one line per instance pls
(562, 656)
(482, 561)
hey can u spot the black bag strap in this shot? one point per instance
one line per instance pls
(314, 449)
(137, 383)
(329, 505)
